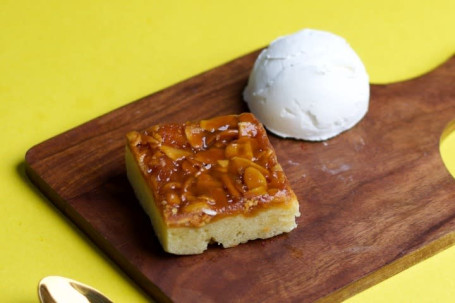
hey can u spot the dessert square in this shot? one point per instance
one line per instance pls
(215, 180)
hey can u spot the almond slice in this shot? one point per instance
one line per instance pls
(238, 165)
(253, 178)
(237, 149)
(196, 207)
(219, 123)
(175, 153)
(195, 135)
(211, 155)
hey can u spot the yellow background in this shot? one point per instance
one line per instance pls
(65, 62)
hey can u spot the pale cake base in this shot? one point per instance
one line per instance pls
(228, 231)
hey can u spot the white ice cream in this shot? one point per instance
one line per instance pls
(310, 85)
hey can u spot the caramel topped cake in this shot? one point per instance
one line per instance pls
(215, 180)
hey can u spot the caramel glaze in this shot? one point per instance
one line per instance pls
(202, 171)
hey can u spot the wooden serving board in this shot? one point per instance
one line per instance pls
(374, 200)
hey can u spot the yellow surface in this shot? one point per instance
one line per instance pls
(64, 62)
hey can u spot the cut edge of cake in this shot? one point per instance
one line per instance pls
(228, 231)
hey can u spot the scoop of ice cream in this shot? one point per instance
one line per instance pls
(310, 85)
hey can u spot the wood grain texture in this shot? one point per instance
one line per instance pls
(374, 200)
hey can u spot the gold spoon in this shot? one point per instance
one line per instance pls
(54, 289)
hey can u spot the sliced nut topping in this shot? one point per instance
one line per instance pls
(157, 137)
(257, 191)
(199, 171)
(253, 178)
(175, 153)
(239, 165)
(152, 141)
(133, 137)
(227, 135)
(211, 155)
(195, 135)
(236, 149)
(265, 155)
(219, 123)
(195, 207)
